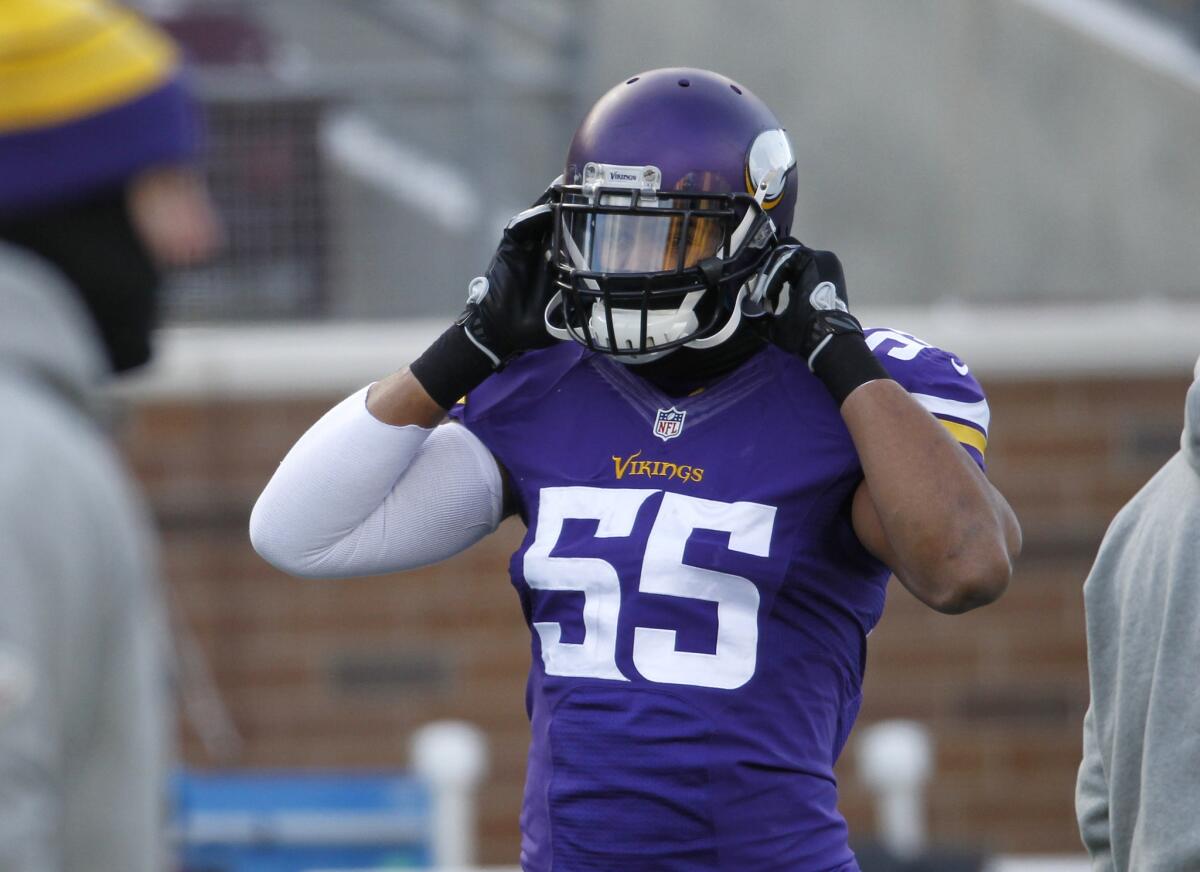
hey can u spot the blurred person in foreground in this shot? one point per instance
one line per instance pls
(718, 470)
(1138, 794)
(96, 135)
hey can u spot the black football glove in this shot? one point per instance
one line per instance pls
(506, 306)
(504, 315)
(804, 292)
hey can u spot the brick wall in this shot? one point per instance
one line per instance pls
(337, 674)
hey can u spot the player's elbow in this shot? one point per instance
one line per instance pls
(273, 553)
(968, 584)
(279, 550)
(290, 563)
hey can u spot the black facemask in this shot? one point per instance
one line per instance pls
(94, 244)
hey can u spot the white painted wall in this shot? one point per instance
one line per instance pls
(996, 150)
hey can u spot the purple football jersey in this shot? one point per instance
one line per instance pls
(698, 601)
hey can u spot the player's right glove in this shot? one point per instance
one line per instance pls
(805, 293)
(504, 315)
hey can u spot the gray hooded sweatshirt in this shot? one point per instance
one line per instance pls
(83, 700)
(1138, 794)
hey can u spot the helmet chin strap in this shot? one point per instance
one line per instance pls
(556, 301)
(739, 235)
(556, 332)
(663, 326)
(731, 326)
(735, 242)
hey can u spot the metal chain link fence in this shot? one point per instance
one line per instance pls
(364, 155)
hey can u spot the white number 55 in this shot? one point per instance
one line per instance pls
(663, 572)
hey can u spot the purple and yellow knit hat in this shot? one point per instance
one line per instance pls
(90, 94)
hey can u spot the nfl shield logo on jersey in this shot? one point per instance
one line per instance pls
(668, 423)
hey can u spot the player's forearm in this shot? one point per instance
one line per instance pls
(950, 536)
(400, 400)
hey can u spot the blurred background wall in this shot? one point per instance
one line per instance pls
(1012, 179)
(1005, 150)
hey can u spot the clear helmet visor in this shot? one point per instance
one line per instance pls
(614, 242)
(686, 230)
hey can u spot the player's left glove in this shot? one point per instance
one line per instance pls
(805, 293)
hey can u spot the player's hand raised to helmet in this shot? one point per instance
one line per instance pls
(506, 306)
(804, 291)
(504, 315)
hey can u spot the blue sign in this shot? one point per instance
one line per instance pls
(300, 822)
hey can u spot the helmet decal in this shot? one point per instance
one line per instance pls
(771, 151)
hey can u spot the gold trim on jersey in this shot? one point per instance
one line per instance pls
(966, 435)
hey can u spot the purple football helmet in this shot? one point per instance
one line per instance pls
(678, 185)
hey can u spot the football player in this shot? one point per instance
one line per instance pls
(718, 469)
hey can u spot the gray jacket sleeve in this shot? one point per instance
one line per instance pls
(1091, 800)
(1138, 795)
(30, 758)
(84, 729)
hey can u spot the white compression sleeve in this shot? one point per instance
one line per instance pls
(356, 496)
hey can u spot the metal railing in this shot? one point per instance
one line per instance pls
(364, 155)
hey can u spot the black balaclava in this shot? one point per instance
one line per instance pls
(686, 369)
(94, 244)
